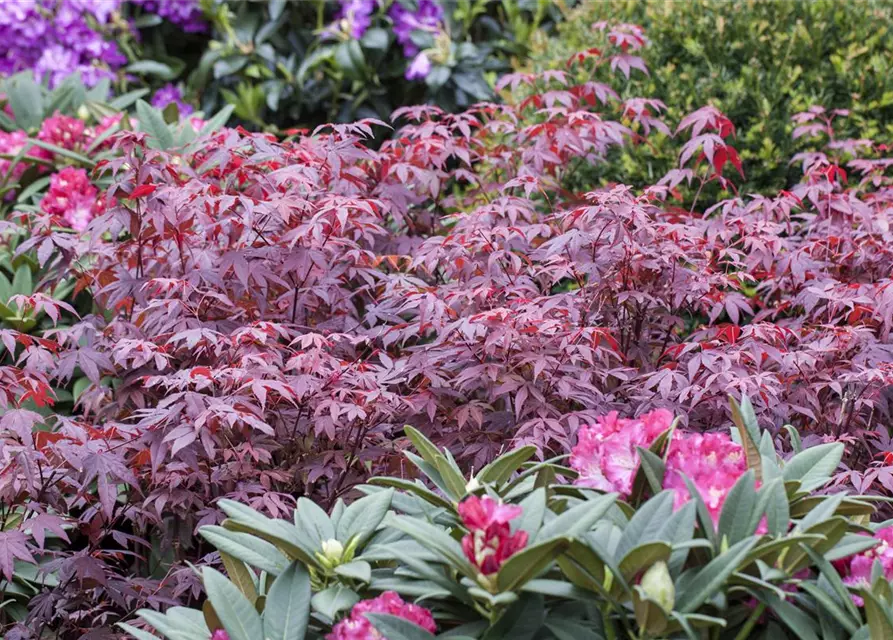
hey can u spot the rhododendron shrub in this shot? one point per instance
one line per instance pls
(586, 564)
(274, 315)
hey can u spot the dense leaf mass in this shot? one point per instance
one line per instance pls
(270, 314)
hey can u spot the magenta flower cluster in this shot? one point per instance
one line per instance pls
(55, 38)
(712, 461)
(605, 455)
(357, 627)
(856, 570)
(10, 145)
(606, 458)
(72, 197)
(490, 542)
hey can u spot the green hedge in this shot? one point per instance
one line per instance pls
(758, 61)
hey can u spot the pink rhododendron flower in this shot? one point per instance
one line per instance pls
(606, 458)
(490, 541)
(104, 125)
(11, 144)
(605, 455)
(712, 461)
(482, 513)
(220, 634)
(62, 131)
(72, 197)
(357, 627)
(856, 570)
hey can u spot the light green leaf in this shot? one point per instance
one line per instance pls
(576, 520)
(247, 548)
(314, 522)
(711, 578)
(736, 521)
(565, 629)
(152, 122)
(749, 431)
(123, 101)
(813, 467)
(394, 628)
(26, 100)
(411, 487)
(425, 447)
(529, 563)
(287, 608)
(363, 516)
(240, 575)
(334, 600)
(534, 508)
(643, 556)
(152, 68)
(647, 523)
(236, 614)
(435, 540)
(500, 470)
(217, 121)
(356, 570)
(61, 151)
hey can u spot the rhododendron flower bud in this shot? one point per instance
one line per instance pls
(481, 513)
(220, 634)
(332, 550)
(357, 627)
(490, 541)
(657, 583)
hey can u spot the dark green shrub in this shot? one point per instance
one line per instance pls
(758, 61)
(285, 64)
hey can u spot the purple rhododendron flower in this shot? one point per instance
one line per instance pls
(428, 17)
(355, 16)
(186, 14)
(419, 68)
(171, 93)
(58, 38)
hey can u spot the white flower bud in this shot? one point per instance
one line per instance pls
(658, 586)
(333, 550)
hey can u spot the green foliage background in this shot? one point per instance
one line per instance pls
(759, 61)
